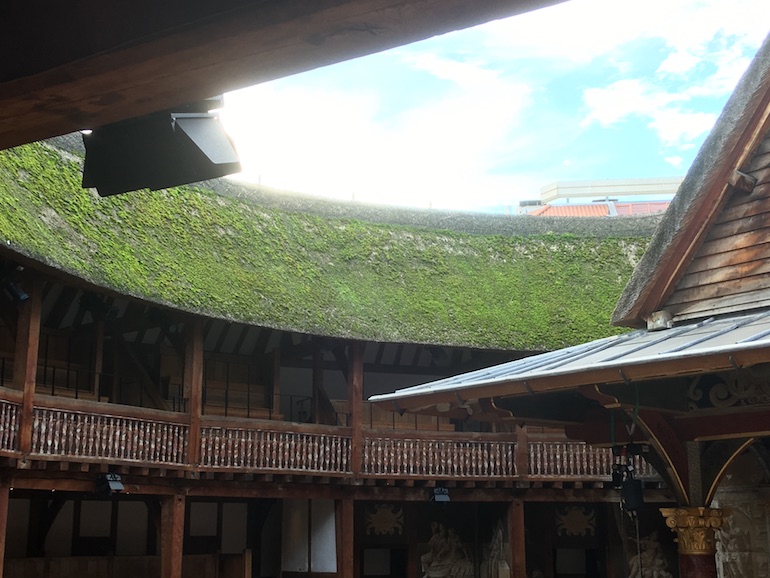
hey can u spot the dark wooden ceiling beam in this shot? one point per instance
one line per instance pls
(77, 77)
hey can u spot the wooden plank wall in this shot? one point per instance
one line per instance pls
(731, 270)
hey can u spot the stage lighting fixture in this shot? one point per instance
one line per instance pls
(174, 147)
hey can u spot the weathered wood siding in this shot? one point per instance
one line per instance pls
(731, 270)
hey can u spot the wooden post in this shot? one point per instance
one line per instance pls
(696, 539)
(193, 386)
(516, 537)
(346, 538)
(5, 495)
(318, 382)
(171, 536)
(98, 359)
(355, 403)
(25, 363)
(276, 383)
(521, 458)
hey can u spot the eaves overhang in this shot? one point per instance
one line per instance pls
(712, 345)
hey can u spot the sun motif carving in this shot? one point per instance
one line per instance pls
(576, 521)
(384, 519)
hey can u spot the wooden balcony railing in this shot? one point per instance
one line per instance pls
(79, 430)
(548, 460)
(81, 435)
(9, 425)
(275, 451)
(448, 458)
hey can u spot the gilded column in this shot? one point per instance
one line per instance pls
(696, 536)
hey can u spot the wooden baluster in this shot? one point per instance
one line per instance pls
(4, 431)
(42, 423)
(265, 447)
(205, 446)
(118, 437)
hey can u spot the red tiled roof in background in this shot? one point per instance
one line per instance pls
(592, 210)
(604, 209)
(641, 208)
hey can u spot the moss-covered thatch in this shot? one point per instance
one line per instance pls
(258, 263)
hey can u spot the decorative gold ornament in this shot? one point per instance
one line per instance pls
(384, 519)
(576, 521)
(695, 528)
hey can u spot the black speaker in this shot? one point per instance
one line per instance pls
(632, 494)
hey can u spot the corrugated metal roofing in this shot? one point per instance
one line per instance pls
(723, 336)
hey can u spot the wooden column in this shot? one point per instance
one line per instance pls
(318, 382)
(521, 457)
(171, 536)
(345, 538)
(5, 495)
(97, 363)
(275, 384)
(696, 538)
(25, 362)
(355, 403)
(193, 386)
(516, 538)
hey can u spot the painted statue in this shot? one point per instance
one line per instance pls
(446, 556)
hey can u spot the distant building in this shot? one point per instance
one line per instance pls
(600, 198)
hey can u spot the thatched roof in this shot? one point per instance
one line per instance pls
(324, 268)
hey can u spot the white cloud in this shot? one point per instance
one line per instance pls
(491, 106)
(583, 30)
(327, 142)
(675, 126)
(624, 98)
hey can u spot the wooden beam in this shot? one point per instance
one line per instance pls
(355, 404)
(276, 382)
(25, 365)
(516, 536)
(172, 535)
(346, 538)
(742, 182)
(193, 385)
(126, 66)
(4, 504)
(671, 451)
(318, 382)
(749, 423)
(522, 451)
(97, 362)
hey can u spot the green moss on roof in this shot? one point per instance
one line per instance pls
(192, 250)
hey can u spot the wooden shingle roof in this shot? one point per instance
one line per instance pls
(707, 254)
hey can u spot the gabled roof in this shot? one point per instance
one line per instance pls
(712, 186)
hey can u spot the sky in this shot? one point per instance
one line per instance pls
(483, 118)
